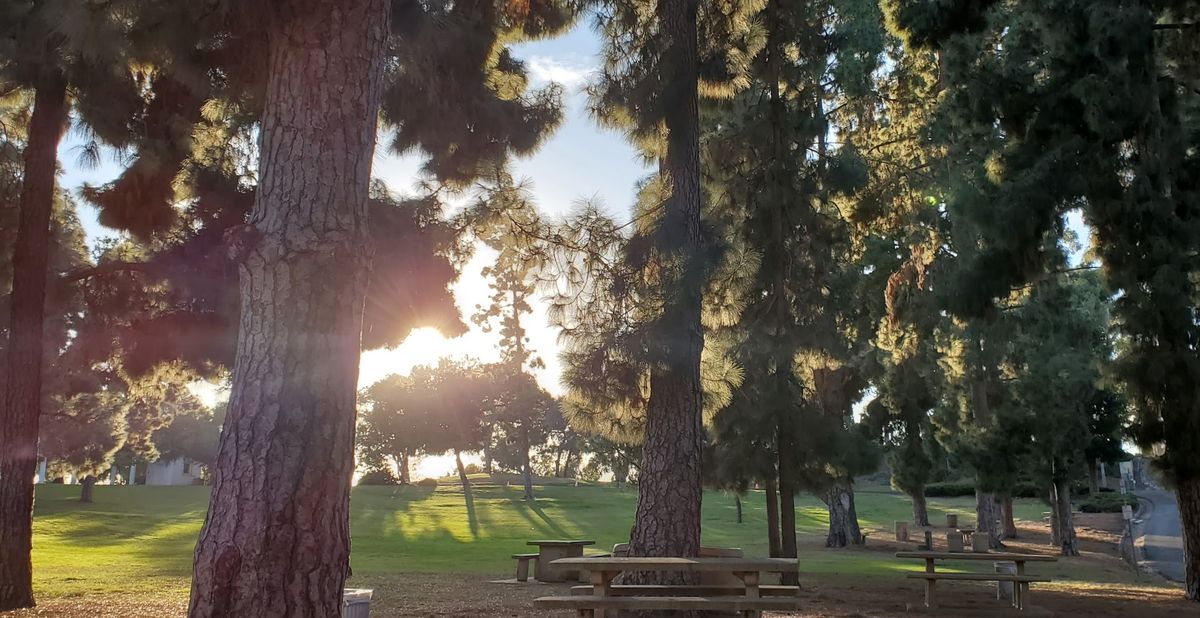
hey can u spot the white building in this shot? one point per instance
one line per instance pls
(179, 471)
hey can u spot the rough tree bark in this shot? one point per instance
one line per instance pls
(85, 489)
(1010, 524)
(23, 372)
(787, 522)
(667, 521)
(1055, 528)
(774, 548)
(843, 518)
(1061, 511)
(985, 517)
(920, 508)
(1187, 493)
(276, 539)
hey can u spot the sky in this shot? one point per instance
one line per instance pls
(581, 161)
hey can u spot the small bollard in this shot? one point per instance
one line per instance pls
(954, 541)
(901, 531)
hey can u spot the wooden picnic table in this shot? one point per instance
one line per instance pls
(555, 549)
(1020, 579)
(746, 598)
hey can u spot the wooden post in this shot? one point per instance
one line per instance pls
(1020, 588)
(930, 585)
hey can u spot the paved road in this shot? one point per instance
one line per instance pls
(1164, 535)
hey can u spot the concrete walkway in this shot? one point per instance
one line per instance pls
(1163, 534)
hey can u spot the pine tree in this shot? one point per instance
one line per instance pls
(303, 262)
(505, 220)
(651, 87)
(44, 51)
(1096, 114)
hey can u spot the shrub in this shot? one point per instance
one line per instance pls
(473, 468)
(1027, 489)
(428, 483)
(1106, 503)
(950, 489)
(378, 477)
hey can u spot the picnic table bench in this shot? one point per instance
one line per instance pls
(1019, 579)
(750, 598)
(548, 552)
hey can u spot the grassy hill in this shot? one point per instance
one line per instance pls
(140, 539)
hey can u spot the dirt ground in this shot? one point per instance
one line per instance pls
(823, 594)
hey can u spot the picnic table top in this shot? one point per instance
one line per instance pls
(994, 556)
(552, 542)
(772, 565)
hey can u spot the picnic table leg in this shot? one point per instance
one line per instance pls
(602, 587)
(930, 586)
(1020, 588)
(750, 579)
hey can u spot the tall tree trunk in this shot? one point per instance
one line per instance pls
(1055, 528)
(1093, 477)
(23, 371)
(667, 522)
(986, 515)
(737, 502)
(775, 549)
(920, 508)
(276, 540)
(1187, 493)
(405, 469)
(843, 517)
(788, 548)
(462, 474)
(1010, 524)
(527, 474)
(1066, 521)
(86, 486)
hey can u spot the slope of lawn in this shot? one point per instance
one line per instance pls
(140, 539)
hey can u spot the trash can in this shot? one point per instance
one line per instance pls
(1004, 590)
(356, 603)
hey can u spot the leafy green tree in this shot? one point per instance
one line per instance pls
(1096, 115)
(194, 434)
(82, 434)
(635, 334)
(1056, 356)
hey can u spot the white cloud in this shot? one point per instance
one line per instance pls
(571, 72)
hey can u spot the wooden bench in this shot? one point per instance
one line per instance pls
(523, 565)
(602, 596)
(588, 605)
(702, 590)
(1019, 580)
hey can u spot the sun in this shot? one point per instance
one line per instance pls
(423, 346)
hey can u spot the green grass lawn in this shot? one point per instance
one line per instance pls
(140, 539)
